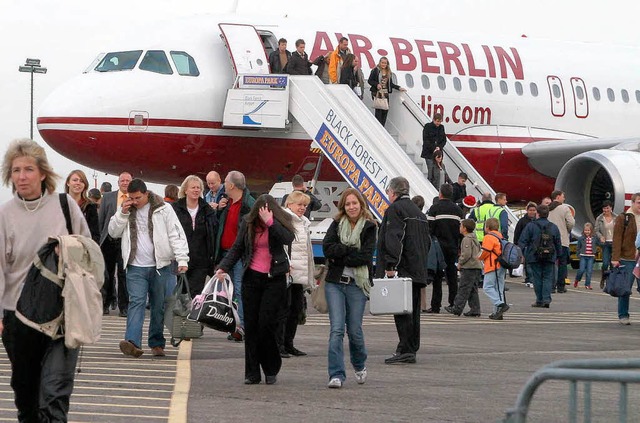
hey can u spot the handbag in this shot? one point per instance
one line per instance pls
(318, 299)
(215, 308)
(176, 309)
(358, 90)
(380, 102)
(618, 284)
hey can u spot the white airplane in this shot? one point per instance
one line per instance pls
(525, 113)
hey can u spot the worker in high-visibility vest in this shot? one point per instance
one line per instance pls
(484, 211)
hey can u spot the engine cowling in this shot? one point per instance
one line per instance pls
(590, 178)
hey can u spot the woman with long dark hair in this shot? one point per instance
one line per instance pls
(348, 247)
(348, 73)
(76, 186)
(263, 243)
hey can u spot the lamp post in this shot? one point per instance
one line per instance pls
(32, 66)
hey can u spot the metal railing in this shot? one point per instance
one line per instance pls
(588, 371)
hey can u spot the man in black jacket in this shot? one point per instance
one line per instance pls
(298, 185)
(278, 58)
(403, 246)
(433, 139)
(522, 223)
(444, 223)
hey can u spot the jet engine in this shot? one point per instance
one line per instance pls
(590, 178)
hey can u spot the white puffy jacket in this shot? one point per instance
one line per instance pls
(301, 252)
(169, 239)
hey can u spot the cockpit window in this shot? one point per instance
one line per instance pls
(156, 61)
(185, 65)
(119, 61)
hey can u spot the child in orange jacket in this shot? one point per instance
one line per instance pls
(493, 274)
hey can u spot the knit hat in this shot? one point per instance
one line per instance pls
(469, 201)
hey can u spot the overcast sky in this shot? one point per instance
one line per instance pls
(67, 34)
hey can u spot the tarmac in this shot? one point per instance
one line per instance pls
(467, 370)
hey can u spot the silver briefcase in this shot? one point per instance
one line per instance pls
(391, 296)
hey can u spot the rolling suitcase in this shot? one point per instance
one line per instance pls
(391, 296)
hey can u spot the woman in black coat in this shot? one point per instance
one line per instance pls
(76, 186)
(263, 243)
(200, 224)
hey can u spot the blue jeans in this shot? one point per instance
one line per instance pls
(542, 275)
(346, 307)
(143, 282)
(493, 287)
(623, 302)
(236, 274)
(606, 255)
(586, 268)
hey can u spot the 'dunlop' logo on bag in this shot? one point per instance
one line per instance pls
(213, 312)
(384, 292)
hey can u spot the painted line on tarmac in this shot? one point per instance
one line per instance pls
(180, 395)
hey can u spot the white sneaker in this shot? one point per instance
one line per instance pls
(336, 383)
(361, 376)
(625, 321)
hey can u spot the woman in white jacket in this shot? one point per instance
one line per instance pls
(301, 259)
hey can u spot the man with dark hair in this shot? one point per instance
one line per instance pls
(299, 63)
(444, 224)
(459, 189)
(502, 216)
(105, 187)
(111, 202)
(279, 58)
(231, 209)
(529, 217)
(433, 139)
(299, 185)
(403, 246)
(560, 215)
(625, 232)
(540, 241)
(152, 238)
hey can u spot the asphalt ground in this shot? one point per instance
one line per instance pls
(467, 370)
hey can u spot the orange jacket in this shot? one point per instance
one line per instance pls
(491, 249)
(335, 63)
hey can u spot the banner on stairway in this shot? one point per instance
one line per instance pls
(353, 172)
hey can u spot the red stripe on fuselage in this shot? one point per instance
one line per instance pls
(126, 121)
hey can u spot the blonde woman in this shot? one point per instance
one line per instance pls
(301, 273)
(381, 81)
(76, 186)
(200, 224)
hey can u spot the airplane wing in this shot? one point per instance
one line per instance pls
(548, 157)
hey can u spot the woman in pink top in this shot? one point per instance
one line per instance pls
(263, 243)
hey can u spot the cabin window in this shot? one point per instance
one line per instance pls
(409, 78)
(596, 94)
(625, 96)
(119, 61)
(442, 84)
(611, 95)
(503, 87)
(473, 86)
(488, 86)
(638, 96)
(519, 89)
(457, 85)
(534, 89)
(426, 84)
(579, 92)
(556, 90)
(156, 61)
(184, 63)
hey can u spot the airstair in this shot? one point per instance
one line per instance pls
(346, 131)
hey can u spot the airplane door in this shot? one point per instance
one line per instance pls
(557, 96)
(245, 48)
(580, 100)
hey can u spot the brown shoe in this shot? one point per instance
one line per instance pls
(158, 352)
(129, 348)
